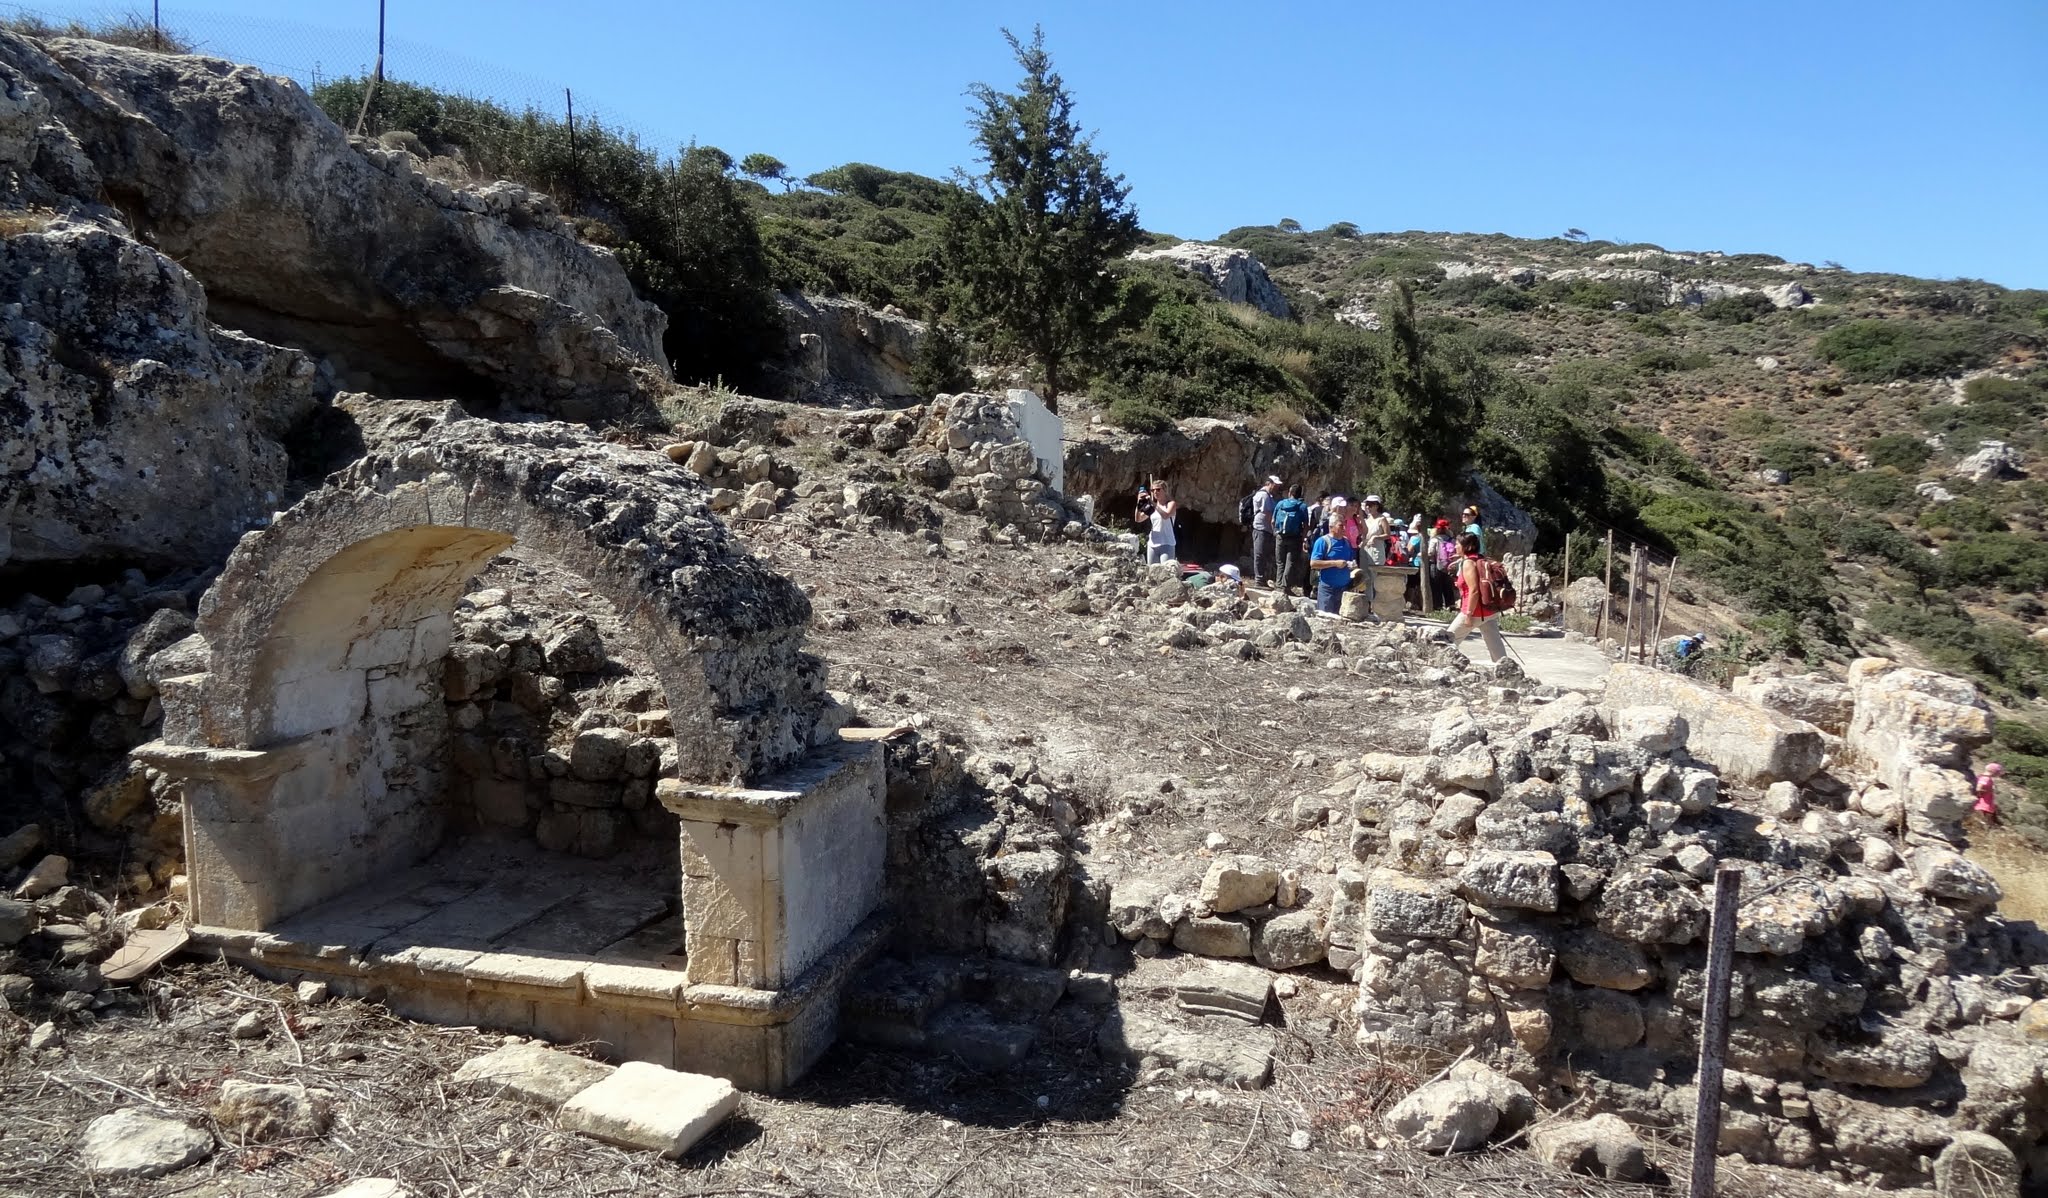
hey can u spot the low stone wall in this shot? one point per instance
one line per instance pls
(554, 737)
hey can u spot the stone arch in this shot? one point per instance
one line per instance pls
(320, 714)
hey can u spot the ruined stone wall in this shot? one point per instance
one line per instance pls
(78, 672)
(555, 736)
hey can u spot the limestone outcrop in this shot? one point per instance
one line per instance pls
(1746, 743)
(842, 346)
(1237, 275)
(350, 252)
(131, 428)
(1210, 464)
(1915, 729)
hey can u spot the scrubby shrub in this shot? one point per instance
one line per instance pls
(1495, 342)
(1996, 651)
(1796, 456)
(1878, 351)
(1666, 360)
(1751, 422)
(1132, 414)
(1900, 451)
(2004, 560)
(1272, 246)
(941, 364)
(1738, 309)
(1962, 516)
(1878, 490)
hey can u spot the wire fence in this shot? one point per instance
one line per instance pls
(313, 54)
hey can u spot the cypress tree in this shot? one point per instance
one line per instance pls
(1423, 425)
(1031, 239)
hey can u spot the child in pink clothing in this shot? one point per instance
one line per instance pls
(1987, 798)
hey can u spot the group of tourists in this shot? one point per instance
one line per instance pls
(1328, 547)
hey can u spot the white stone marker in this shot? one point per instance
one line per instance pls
(533, 1073)
(646, 1106)
(135, 1143)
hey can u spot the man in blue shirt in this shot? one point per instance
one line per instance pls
(1333, 559)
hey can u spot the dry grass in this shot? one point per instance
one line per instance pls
(16, 221)
(865, 1124)
(132, 30)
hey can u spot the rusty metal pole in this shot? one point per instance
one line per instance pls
(1706, 1123)
(1628, 623)
(1663, 600)
(1564, 596)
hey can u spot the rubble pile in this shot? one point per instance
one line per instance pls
(1542, 895)
(78, 689)
(553, 736)
(994, 470)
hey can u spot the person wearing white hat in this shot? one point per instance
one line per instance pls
(1231, 580)
(1263, 500)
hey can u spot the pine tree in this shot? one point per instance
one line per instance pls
(1423, 424)
(1031, 241)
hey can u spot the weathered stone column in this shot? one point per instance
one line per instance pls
(235, 849)
(776, 875)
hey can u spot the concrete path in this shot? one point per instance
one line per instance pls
(1550, 659)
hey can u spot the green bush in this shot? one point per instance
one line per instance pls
(1877, 490)
(1273, 247)
(1874, 540)
(1962, 516)
(941, 364)
(1136, 415)
(1878, 351)
(1773, 566)
(2004, 560)
(1738, 309)
(1752, 422)
(1666, 360)
(1995, 651)
(1900, 451)
(1796, 456)
(1420, 263)
(1496, 342)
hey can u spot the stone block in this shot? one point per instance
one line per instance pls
(1748, 744)
(1975, 1165)
(1399, 906)
(1591, 958)
(1510, 879)
(1608, 1020)
(1603, 1146)
(1654, 728)
(17, 920)
(1134, 909)
(1516, 957)
(1237, 991)
(1213, 936)
(648, 1107)
(1443, 1116)
(135, 1143)
(1234, 882)
(599, 754)
(1289, 941)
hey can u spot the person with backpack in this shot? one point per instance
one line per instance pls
(1441, 558)
(1290, 534)
(1484, 592)
(1259, 507)
(1333, 558)
(1470, 519)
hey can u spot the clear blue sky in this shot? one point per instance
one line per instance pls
(1884, 135)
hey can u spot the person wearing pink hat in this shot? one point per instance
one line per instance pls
(1987, 792)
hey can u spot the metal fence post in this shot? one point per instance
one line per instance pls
(1706, 1124)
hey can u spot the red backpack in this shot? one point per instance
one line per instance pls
(1496, 591)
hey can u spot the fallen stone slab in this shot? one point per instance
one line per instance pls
(648, 1107)
(1603, 1146)
(1231, 1054)
(532, 1073)
(1975, 1165)
(1749, 744)
(1236, 991)
(1213, 936)
(17, 920)
(135, 1143)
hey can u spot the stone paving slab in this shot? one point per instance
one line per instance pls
(533, 1073)
(645, 1106)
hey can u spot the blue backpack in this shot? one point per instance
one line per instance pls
(1290, 517)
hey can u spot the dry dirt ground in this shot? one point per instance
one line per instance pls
(1014, 678)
